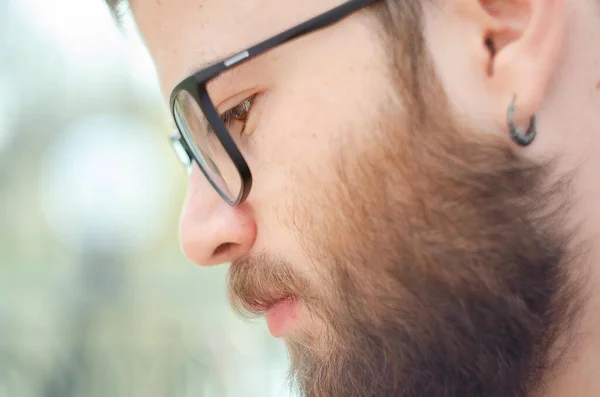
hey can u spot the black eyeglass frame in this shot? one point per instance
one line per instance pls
(195, 85)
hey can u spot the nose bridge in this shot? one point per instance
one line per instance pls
(212, 231)
(202, 196)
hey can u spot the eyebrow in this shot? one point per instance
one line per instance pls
(229, 73)
(213, 60)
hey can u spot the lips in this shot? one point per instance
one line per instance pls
(282, 316)
(265, 285)
(281, 313)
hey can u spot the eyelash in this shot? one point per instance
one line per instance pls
(240, 112)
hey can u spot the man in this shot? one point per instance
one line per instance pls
(407, 189)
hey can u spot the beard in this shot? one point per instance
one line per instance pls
(440, 262)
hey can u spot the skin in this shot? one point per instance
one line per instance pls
(442, 217)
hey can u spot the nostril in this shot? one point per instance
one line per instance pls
(223, 248)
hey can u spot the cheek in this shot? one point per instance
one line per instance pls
(314, 107)
(304, 124)
(294, 167)
(289, 149)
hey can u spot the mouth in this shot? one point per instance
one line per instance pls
(282, 316)
(267, 286)
(280, 311)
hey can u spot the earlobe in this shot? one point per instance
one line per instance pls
(525, 43)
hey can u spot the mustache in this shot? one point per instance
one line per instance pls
(257, 282)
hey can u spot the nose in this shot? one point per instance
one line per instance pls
(212, 231)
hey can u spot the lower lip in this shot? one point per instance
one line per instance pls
(281, 317)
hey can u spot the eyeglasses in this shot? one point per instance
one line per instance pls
(208, 138)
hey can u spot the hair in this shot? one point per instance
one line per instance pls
(117, 8)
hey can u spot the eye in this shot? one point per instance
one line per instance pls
(235, 118)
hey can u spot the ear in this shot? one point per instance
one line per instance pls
(524, 41)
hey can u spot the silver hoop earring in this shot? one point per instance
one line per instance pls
(520, 139)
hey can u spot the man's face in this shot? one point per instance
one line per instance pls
(395, 249)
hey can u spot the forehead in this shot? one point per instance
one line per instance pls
(182, 35)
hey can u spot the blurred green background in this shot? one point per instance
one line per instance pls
(96, 298)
